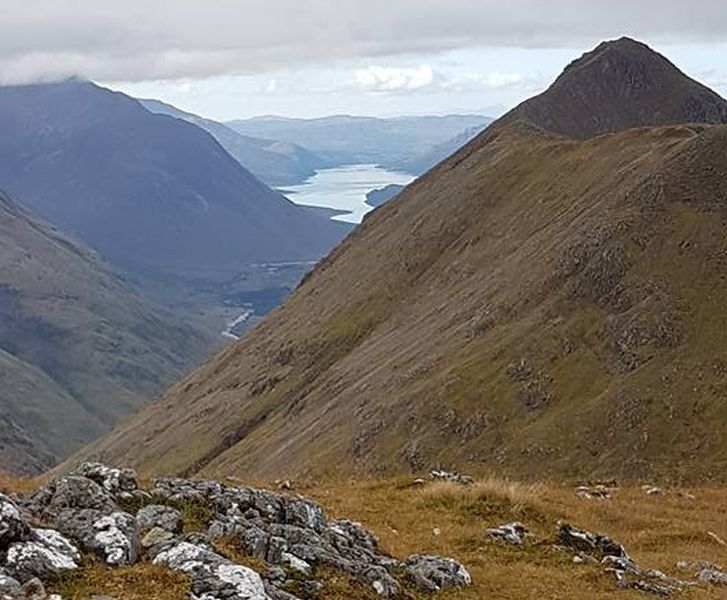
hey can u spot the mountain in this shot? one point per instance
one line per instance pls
(149, 192)
(619, 85)
(78, 349)
(274, 162)
(381, 196)
(540, 304)
(346, 140)
(422, 161)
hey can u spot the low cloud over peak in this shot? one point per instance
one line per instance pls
(170, 39)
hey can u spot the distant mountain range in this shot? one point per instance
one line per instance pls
(78, 348)
(274, 162)
(394, 143)
(547, 302)
(149, 192)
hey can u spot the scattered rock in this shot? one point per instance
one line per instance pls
(628, 574)
(156, 536)
(112, 537)
(213, 576)
(44, 553)
(433, 573)
(451, 476)
(599, 492)
(159, 516)
(71, 492)
(594, 544)
(512, 533)
(712, 575)
(114, 481)
(291, 534)
(652, 490)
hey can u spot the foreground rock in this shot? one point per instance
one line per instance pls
(613, 556)
(90, 511)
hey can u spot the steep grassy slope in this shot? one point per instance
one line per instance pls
(540, 304)
(78, 349)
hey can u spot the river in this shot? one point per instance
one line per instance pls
(345, 188)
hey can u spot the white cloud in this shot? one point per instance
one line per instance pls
(393, 79)
(139, 40)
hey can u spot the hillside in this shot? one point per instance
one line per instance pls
(78, 349)
(539, 304)
(149, 192)
(347, 140)
(275, 163)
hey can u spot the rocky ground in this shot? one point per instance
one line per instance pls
(98, 513)
(96, 534)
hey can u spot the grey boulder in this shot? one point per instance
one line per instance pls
(434, 573)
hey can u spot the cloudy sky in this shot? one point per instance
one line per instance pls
(238, 58)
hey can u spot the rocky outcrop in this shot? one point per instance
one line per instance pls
(101, 511)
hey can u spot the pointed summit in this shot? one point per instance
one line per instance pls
(619, 85)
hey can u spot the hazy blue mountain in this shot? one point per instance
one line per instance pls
(274, 162)
(150, 192)
(420, 162)
(343, 140)
(382, 195)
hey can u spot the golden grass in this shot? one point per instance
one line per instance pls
(10, 484)
(140, 582)
(450, 520)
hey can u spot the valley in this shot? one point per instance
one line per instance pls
(363, 301)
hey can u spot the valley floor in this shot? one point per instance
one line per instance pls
(441, 518)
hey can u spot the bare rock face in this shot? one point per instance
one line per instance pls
(113, 537)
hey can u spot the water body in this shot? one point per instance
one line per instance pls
(345, 188)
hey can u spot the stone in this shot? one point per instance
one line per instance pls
(156, 536)
(12, 526)
(712, 575)
(433, 573)
(114, 481)
(511, 533)
(595, 544)
(599, 492)
(112, 537)
(652, 490)
(71, 492)
(33, 590)
(159, 516)
(451, 476)
(9, 586)
(213, 576)
(46, 552)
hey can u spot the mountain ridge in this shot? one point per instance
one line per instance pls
(536, 304)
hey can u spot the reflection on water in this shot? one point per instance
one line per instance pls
(345, 188)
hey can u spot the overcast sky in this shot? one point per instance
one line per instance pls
(238, 58)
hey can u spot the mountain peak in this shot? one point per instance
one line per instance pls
(618, 85)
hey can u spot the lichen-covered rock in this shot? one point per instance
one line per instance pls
(512, 533)
(433, 573)
(593, 544)
(114, 481)
(46, 552)
(163, 517)
(72, 492)
(452, 477)
(12, 526)
(113, 537)
(9, 587)
(213, 576)
(712, 575)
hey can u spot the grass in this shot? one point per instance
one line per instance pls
(450, 520)
(140, 582)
